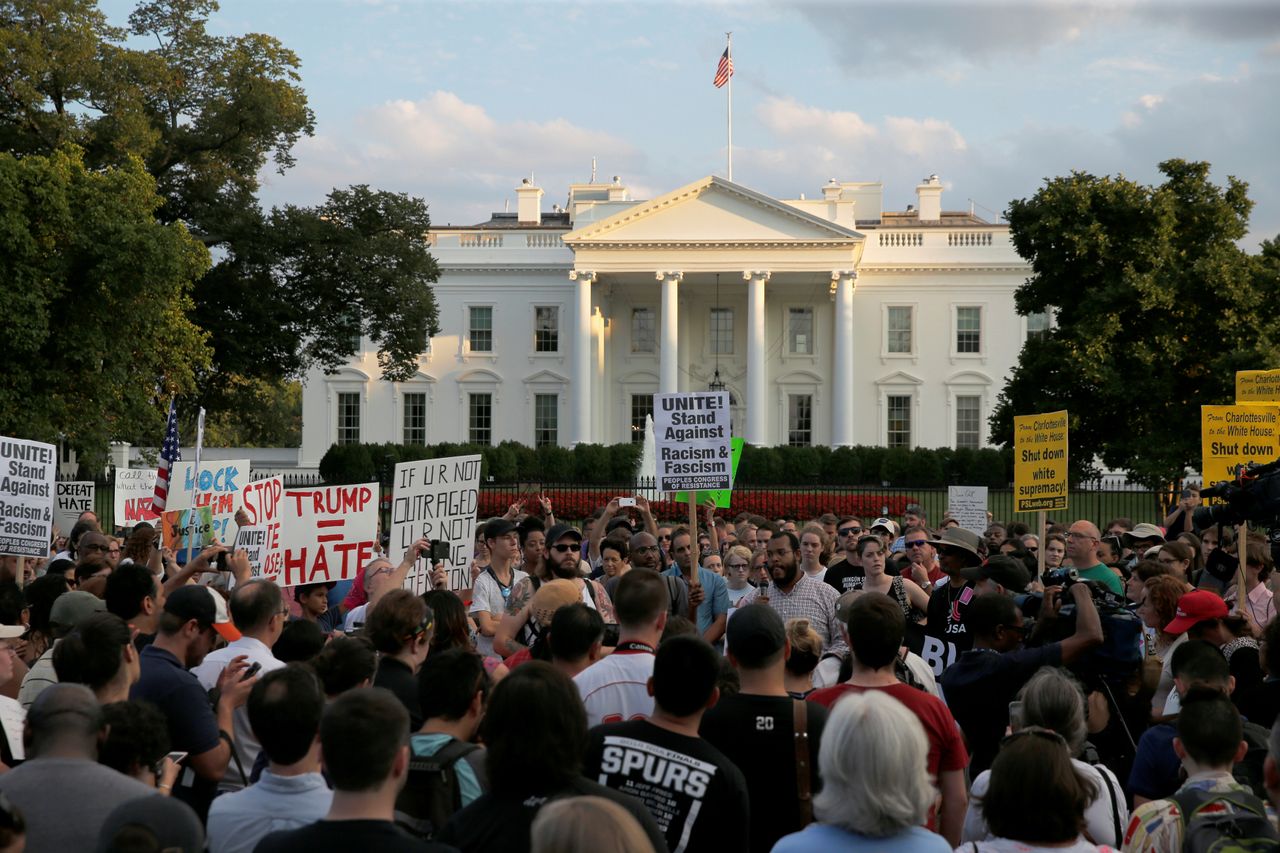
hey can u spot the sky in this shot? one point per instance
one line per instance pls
(456, 102)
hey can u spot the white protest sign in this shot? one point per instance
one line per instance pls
(219, 489)
(326, 532)
(73, 499)
(134, 489)
(968, 505)
(693, 446)
(436, 499)
(260, 500)
(27, 481)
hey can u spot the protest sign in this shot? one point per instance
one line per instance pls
(1040, 462)
(968, 505)
(134, 489)
(719, 498)
(326, 532)
(26, 496)
(187, 530)
(73, 498)
(1235, 435)
(260, 501)
(219, 489)
(1257, 386)
(692, 441)
(436, 499)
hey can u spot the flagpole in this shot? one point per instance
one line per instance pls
(729, 86)
(195, 486)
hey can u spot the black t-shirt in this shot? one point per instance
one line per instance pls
(844, 576)
(694, 792)
(396, 676)
(756, 733)
(500, 821)
(945, 636)
(343, 836)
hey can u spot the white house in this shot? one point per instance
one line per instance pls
(829, 320)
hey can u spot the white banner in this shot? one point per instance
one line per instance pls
(260, 500)
(73, 499)
(692, 438)
(968, 505)
(134, 489)
(219, 489)
(436, 499)
(326, 532)
(28, 470)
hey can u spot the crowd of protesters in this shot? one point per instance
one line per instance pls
(629, 685)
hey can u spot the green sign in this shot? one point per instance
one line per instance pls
(720, 497)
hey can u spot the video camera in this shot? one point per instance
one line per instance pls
(1253, 497)
(1121, 651)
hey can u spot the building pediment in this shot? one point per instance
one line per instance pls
(712, 212)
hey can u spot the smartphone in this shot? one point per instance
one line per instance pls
(1186, 493)
(251, 671)
(221, 561)
(439, 551)
(176, 757)
(1016, 720)
(626, 502)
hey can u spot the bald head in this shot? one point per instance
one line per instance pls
(254, 605)
(1082, 544)
(644, 551)
(65, 720)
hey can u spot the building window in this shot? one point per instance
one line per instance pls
(643, 330)
(722, 331)
(968, 422)
(348, 418)
(800, 420)
(800, 331)
(480, 328)
(969, 329)
(546, 328)
(898, 331)
(641, 411)
(480, 419)
(415, 418)
(898, 425)
(1038, 326)
(546, 418)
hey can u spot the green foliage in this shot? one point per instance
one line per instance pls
(94, 308)
(265, 414)
(1156, 308)
(347, 464)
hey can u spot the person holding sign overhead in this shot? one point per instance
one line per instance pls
(707, 591)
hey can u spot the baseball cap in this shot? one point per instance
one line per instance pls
(755, 633)
(11, 632)
(498, 527)
(1198, 605)
(550, 597)
(171, 821)
(1143, 531)
(845, 601)
(72, 608)
(1011, 574)
(203, 605)
(560, 531)
(887, 524)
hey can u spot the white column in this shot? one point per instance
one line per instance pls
(756, 347)
(580, 428)
(669, 368)
(842, 372)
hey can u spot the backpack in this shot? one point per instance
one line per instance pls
(431, 794)
(1245, 830)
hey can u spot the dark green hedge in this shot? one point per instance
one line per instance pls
(596, 464)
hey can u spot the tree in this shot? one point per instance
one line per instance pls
(1155, 308)
(94, 310)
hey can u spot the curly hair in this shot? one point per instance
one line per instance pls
(1163, 592)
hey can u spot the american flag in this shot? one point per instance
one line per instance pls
(724, 70)
(169, 454)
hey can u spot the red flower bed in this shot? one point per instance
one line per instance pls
(581, 503)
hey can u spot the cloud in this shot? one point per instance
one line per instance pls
(1150, 102)
(1117, 65)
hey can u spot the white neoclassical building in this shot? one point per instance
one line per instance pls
(829, 320)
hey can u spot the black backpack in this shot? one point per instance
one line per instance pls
(431, 794)
(1244, 830)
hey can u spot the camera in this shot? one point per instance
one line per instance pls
(1253, 497)
(1121, 650)
(439, 551)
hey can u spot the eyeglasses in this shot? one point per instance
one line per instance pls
(849, 531)
(1035, 731)
(113, 550)
(561, 548)
(643, 548)
(94, 546)
(735, 565)
(662, 538)
(1021, 629)
(916, 543)
(1075, 534)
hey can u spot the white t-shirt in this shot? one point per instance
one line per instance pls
(487, 597)
(247, 746)
(356, 614)
(1106, 816)
(616, 688)
(1006, 845)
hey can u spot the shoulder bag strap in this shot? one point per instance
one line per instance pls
(800, 727)
(1115, 805)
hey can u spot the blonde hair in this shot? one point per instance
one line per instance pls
(741, 551)
(587, 823)
(824, 541)
(806, 646)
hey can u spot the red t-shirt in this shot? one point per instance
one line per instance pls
(522, 656)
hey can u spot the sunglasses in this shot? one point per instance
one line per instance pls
(849, 531)
(562, 548)
(916, 543)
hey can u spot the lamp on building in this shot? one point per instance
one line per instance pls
(716, 383)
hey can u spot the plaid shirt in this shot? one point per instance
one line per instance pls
(809, 599)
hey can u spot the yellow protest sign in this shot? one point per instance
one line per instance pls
(1040, 462)
(1257, 386)
(1234, 435)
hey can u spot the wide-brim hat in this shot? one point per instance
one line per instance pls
(1141, 532)
(959, 537)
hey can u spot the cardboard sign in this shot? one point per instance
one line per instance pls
(219, 489)
(692, 439)
(184, 529)
(73, 498)
(1257, 386)
(968, 505)
(436, 499)
(719, 498)
(28, 471)
(1039, 462)
(260, 500)
(134, 489)
(1235, 435)
(326, 532)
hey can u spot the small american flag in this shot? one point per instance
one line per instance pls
(724, 70)
(169, 454)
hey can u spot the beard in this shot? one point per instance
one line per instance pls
(567, 569)
(784, 575)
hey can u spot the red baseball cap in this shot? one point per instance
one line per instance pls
(1196, 606)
